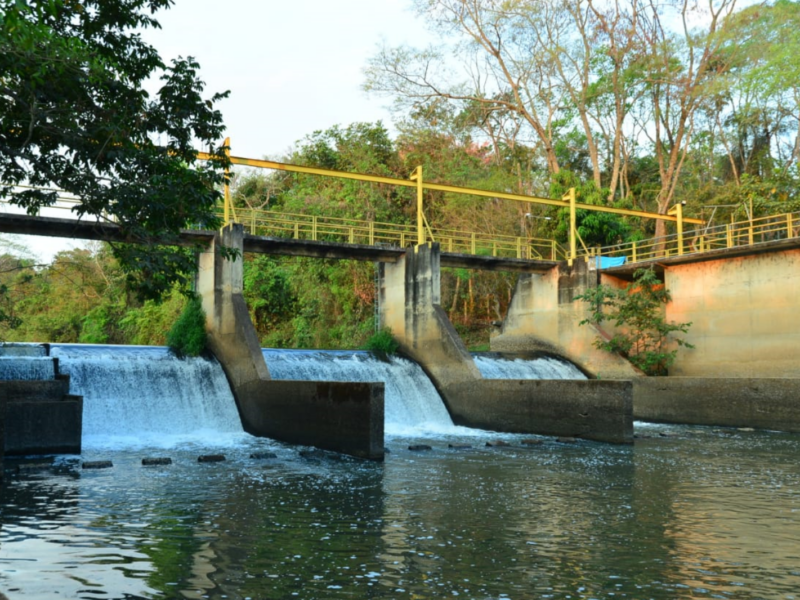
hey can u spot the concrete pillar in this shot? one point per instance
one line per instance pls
(231, 335)
(544, 315)
(344, 417)
(410, 298)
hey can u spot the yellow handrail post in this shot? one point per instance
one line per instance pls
(227, 189)
(677, 212)
(788, 226)
(417, 176)
(573, 221)
(633, 252)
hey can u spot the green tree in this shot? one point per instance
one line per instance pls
(642, 335)
(74, 115)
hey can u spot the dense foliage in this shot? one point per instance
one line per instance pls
(618, 100)
(642, 334)
(653, 102)
(75, 116)
(187, 337)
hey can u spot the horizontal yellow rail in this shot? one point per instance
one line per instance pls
(454, 189)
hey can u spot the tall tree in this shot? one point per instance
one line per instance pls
(75, 115)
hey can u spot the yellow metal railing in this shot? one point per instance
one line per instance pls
(704, 239)
(417, 181)
(355, 231)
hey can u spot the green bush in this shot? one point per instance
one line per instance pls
(187, 337)
(383, 343)
(644, 337)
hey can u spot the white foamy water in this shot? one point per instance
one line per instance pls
(411, 402)
(544, 367)
(141, 395)
(26, 368)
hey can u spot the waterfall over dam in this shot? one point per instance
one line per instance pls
(144, 395)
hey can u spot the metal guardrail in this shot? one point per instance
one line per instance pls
(354, 231)
(704, 239)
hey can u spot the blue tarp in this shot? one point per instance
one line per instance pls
(604, 262)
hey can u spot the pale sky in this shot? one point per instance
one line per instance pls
(292, 67)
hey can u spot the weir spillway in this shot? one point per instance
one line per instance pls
(144, 395)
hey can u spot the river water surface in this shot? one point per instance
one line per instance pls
(702, 515)
(686, 512)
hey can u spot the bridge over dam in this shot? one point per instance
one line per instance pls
(738, 285)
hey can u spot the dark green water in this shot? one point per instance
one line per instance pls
(702, 515)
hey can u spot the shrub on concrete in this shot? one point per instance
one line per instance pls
(383, 343)
(187, 337)
(643, 335)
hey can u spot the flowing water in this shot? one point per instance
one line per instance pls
(695, 513)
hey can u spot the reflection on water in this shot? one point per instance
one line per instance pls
(701, 515)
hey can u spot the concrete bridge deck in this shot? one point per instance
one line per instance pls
(109, 232)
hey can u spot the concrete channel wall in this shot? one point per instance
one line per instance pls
(762, 403)
(38, 415)
(410, 306)
(343, 417)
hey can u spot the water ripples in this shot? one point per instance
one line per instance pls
(701, 515)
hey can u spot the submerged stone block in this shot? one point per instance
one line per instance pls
(211, 458)
(263, 455)
(98, 464)
(497, 444)
(155, 461)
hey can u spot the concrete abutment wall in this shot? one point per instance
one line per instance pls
(410, 307)
(343, 417)
(544, 315)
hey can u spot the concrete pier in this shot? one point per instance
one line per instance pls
(410, 307)
(544, 315)
(343, 417)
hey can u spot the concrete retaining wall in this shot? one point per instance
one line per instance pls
(764, 403)
(343, 417)
(591, 409)
(44, 426)
(346, 417)
(743, 312)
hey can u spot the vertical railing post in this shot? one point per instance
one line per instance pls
(677, 212)
(227, 189)
(371, 233)
(552, 250)
(788, 226)
(573, 221)
(314, 228)
(633, 252)
(472, 245)
(729, 235)
(417, 176)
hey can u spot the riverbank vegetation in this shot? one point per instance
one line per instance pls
(636, 105)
